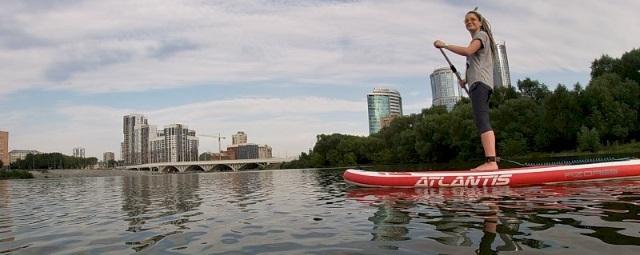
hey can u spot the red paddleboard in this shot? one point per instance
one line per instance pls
(504, 177)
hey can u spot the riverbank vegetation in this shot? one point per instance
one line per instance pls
(15, 174)
(53, 161)
(529, 119)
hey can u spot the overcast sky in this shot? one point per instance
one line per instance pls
(283, 71)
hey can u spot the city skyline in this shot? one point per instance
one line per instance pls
(281, 71)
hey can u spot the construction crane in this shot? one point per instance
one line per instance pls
(219, 143)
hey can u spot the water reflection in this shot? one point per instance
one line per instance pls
(507, 219)
(310, 212)
(152, 203)
(390, 220)
(248, 188)
(6, 221)
(491, 224)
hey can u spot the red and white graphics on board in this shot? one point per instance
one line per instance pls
(504, 177)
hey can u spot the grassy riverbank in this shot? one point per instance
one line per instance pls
(15, 174)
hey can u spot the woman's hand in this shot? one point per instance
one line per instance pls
(439, 44)
(462, 83)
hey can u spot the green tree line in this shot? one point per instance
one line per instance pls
(527, 118)
(53, 161)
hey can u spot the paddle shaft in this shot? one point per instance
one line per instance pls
(455, 71)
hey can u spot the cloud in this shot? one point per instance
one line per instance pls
(133, 47)
(106, 46)
(169, 48)
(78, 62)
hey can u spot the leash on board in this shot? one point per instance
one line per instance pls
(567, 162)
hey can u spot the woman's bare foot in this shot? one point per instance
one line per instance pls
(488, 166)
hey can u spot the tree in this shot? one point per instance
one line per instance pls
(561, 119)
(588, 139)
(53, 161)
(533, 89)
(433, 130)
(515, 146)
(205, 156)
(611, 107)
(502, 94)
(630, 65)
(603, 65)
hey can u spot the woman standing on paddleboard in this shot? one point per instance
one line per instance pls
(479, 76)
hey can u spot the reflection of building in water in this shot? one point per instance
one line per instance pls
(248, 187)
(145, 195)
(390, 221)
(6, 217)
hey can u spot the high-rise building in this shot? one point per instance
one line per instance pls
(14, 155)
(181, 143)
(232, 151)
(158, 147)
(132, 147)
(78, 152)
(501, 73)
(382, 102)
(247, 151)
(108, 156)
(265, 151)
(141, 152)
(4, 148)
(239, 138)
(144, 143)
(445, 89)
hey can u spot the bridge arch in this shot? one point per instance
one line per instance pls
(221, 168)
(169, 169)
(249, 166)
(194, 168)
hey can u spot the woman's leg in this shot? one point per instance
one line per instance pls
(480, 94)
(489, 145)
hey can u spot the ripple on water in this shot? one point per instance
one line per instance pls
(311, 212)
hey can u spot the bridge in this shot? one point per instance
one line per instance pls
(207, 166)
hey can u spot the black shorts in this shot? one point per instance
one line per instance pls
(480, 94)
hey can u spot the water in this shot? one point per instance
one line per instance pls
(311, 212)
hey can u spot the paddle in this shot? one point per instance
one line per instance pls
(455, 71)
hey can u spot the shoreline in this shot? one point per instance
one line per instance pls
(63, 173)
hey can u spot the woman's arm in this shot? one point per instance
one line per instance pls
(473, 47)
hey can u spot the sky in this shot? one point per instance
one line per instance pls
(282, 71)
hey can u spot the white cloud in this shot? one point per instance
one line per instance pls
(110, 45)
(99, 46)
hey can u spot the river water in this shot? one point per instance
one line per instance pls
(310, 212)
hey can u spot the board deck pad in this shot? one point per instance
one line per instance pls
(525, 176)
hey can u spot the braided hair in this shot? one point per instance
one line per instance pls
(487, 28)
